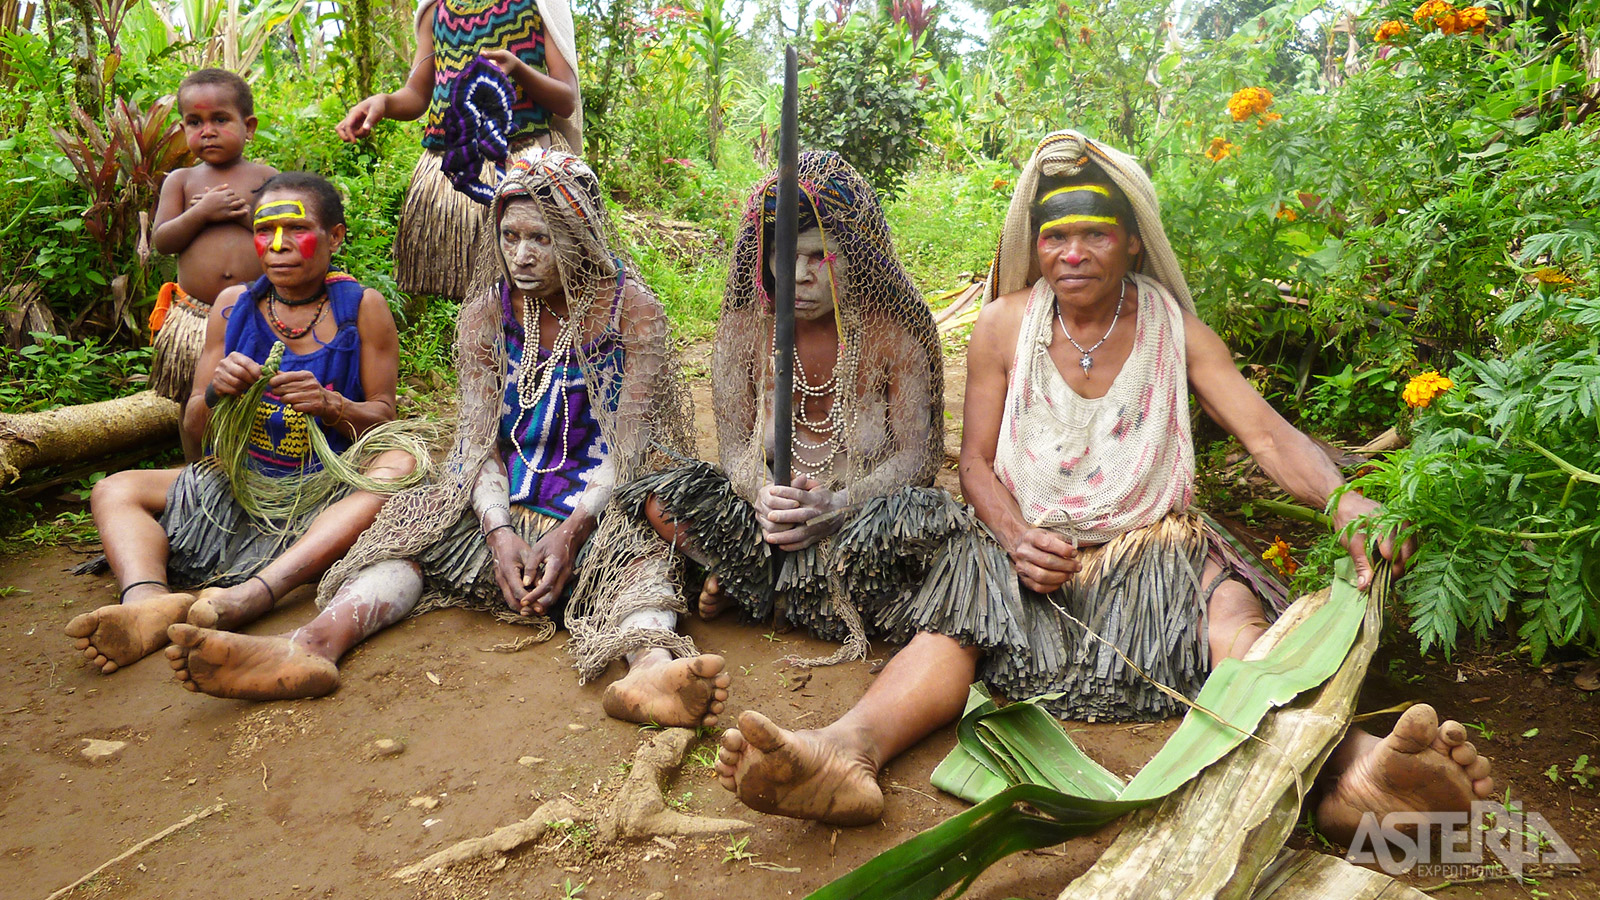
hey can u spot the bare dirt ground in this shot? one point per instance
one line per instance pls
(312, 809)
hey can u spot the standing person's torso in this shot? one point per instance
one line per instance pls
(464, 28)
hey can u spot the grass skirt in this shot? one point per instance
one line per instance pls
(178, 345)
(1141, 592)
(439, 225)
(211, 540)
(884, 560)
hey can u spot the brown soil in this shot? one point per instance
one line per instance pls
(313, 809)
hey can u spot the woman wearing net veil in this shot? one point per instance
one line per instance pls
(568, 388)
(860, 527)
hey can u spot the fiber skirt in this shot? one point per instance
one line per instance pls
(884, 560)
(1135, 613)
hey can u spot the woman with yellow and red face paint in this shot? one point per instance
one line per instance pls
(339, 367)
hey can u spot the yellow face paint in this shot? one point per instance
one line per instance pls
(1071, 220)
(276, 211)
(1100, 189)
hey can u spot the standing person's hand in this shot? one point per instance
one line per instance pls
(507, 62)
(363, 117)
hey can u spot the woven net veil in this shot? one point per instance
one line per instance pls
(642, 405)
(887, 428)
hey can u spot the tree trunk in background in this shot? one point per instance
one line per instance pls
(76, 433)
(361, 35)
(86, 60)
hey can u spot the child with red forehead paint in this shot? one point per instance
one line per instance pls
(339, 367)
(204, 218)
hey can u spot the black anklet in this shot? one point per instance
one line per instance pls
(124, 592)
(265, 585)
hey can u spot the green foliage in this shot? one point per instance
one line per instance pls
(1350, 398)
(1500, 484)
(58, 371)
(862, 98)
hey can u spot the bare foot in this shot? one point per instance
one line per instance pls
(1421, 766)
(677, 692)
(713, 602)
(123, 633)
(246, 667)
(227, 609)
(802, 774)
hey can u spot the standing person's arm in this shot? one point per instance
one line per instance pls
(406, 104)
(1043, 559)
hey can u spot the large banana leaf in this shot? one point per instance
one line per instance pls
(1019, 755)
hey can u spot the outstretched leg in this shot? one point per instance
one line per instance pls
(126, 506)
(1421, 766)
(331, 534)
(661, 690)
(303, 662)
(831, 774)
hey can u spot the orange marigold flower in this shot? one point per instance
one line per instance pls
(999, 184)
(1248, 102)
(1390, 30)
(1472, 19)
(1277, 553)
(1421, 390)
(1287, 213)
(1220, 149)
(1084, 34)
(1433, 12)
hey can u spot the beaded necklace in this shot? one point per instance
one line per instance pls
(273, 299)
(535, 380)
(833, 426)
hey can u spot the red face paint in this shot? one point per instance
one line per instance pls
(263, 242)
(306, 243)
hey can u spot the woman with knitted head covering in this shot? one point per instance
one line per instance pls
(860, 527)
(568, 387)
(1077, 456)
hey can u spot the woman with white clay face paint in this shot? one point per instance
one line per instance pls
(567, 384)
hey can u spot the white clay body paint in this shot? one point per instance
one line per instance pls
(377, 596)
(528, 249)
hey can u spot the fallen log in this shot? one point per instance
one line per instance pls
(76, 433)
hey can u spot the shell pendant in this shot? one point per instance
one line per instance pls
(1084, 362)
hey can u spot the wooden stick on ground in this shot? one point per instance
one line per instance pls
(160, 835)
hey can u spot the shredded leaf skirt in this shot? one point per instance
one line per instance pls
(458, 570)
(882, 559)
(212, 540)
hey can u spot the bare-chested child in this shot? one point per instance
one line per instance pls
(203, 217)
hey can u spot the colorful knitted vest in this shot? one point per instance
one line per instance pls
(464, 28)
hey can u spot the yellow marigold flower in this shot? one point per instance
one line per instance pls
(1548, 275)
(1277, 553)
(1433, 12)
(1448, 24)
(1287, 213)
(999, 184)
(1390, 30)
(1220, 149)
(1248, 102)
(1472, 19)
(1421, 390)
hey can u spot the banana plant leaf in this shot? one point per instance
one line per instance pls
(1034, 787)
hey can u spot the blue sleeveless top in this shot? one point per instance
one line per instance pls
(553, 448)
(279, 441)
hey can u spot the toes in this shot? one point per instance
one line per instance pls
(1453, 733)
(1483, 788)
(1478, 770)
(1417, 728)
(759, 731)
(732, 742)
(714, 707)
(707, 665)
(1464, 754)
(91, 654)
(185, 635)
(108, 666)
(81, 627)
(202, 614)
